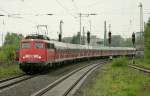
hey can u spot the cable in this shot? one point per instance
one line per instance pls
(75, 5)
(4, 11)
(23, 1)
(65, 9)
(92, 5)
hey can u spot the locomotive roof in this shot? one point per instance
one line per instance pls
(28, 40)
(37, 36)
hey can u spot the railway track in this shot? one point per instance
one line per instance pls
(9, 78)
(139, 67)
(69, 83)
(13, 80)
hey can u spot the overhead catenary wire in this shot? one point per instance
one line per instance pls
(3, 10)
(75, 5)
(92, 5)
(23, 1)
(66, 9)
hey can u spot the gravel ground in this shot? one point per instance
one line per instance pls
(30, 86)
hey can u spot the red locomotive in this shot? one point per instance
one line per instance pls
(38, 52)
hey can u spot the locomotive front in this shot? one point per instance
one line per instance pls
(32, 55)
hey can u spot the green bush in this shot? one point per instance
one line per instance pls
(120, 62)
(8, 53)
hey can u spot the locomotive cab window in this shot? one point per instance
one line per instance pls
(39, 45)
(25, 45)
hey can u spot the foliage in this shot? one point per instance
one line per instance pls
(8, 50)
(119, 41)
(120, 62)
(139, 40)
(76, 39)
(67, 39)
(12, 39)
(8, 53)
(147, 42)
(116, 40)
(117, 81)
(127, 42)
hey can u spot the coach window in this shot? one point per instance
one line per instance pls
(50, 46)
(25, 45)
(38, 45)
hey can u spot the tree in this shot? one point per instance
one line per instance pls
(12, 39)
(128, 42)
(117, 41)
(147, 42)
(9, 53)
(11, 44)
(76, 39)
(67, 39)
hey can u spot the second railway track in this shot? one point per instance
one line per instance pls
(140, 68)
(13, 80)
(9, 78)
(67, 85)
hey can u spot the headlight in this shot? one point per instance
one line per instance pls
(37, 56)
(32, 56)
(26, 56)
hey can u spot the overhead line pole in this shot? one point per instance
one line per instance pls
(80, 16)
(61, 22)
(141, 26)
(60, 34)
(90, 25)
(80, 27)
(109, 36)
(2, 38)
(2, 31)
(105, 33)
(83, 36)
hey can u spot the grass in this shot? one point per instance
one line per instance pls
(9, 70)
(116, 79)
(120, 62)
(143, 62)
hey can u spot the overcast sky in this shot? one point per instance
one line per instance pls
(123, 15)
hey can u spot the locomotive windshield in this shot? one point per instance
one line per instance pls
(38, 45)
(25, 45)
